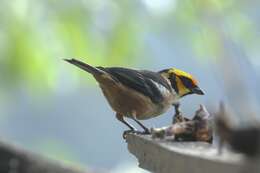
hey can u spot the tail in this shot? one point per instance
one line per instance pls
(85, 67)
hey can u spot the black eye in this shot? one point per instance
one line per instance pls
(187, 82)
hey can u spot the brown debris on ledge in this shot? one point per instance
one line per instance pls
(199, 128)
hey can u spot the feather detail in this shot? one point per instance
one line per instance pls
(146, 82)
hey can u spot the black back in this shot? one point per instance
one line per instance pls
(145, 82)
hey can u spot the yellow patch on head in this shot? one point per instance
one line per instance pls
(183, 73)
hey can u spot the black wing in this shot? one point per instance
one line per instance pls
(145, 82)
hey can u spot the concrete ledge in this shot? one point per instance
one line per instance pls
(162, 156)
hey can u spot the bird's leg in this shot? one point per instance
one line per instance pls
(177, 108)
(121, 118)
(146, 130)
(178, 115)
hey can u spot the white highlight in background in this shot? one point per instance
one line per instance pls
(160, 7)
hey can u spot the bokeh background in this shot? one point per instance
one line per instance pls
(55, 109)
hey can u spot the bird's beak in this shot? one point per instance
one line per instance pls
(197, 90)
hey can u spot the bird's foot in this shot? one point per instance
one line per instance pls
(145, 132)
(177, 118)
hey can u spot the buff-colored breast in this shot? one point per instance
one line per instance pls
(128, 102)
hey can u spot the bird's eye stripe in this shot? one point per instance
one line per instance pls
(187, 82)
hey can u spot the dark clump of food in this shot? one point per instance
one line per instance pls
(199, 128)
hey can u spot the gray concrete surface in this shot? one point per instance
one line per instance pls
(165, 156)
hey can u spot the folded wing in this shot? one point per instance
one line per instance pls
(146, 82)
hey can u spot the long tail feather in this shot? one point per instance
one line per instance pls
(85, 67)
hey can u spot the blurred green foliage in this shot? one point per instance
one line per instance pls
(36, 35)
(210, 23)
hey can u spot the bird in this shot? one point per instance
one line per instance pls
(141, 94)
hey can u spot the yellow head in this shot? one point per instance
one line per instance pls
(182, 82)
